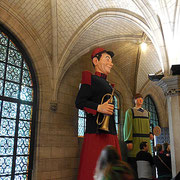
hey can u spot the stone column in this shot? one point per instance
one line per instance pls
(171, 88)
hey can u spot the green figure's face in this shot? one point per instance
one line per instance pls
(139, 101)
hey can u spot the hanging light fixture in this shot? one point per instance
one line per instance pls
(143, 46)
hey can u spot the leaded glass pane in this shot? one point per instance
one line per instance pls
(81, 122)
(23, 146)
(26, 78)
(9, 109)
(81, 113)
(21, 164)
(25, 66)
(116, 119)
(5, 165)
(7, 127)
(117, 127)
(2, 53)
(3, 39)
(13, 73)
(150, 106)
(2, 70)
(21, 177)
(14, 57)
(80, 131)
(115, 102)
(11, 90)
(15, 88)
(24, 129)
(6, 146)
(25, 112)
(11, 45)
(6, 178)
(26, 93)
(1, 87)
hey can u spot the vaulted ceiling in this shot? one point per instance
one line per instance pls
(68, 29)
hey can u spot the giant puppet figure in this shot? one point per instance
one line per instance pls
(93, 88)
(136, 129)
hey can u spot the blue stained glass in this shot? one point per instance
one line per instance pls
(9, 109)
(3, 53)
(5, 165)
(1, 87)
(82, 113)
(115, 101)
(7, 127)
(24, 129)
(21, 164)
(6, 146)
(81, 122)
(23, 146)
(2, 70)
(3, 39)
(11, 90)
(13, 73)
(80, 131)
(150, 106)
(25, 112)
(11, 45)
(14, 58)
(6, 178)
(26, 93)
(14, 76)
(26, 78)
(21, 177)
(25, 66)
(117, 127)
(116, 119)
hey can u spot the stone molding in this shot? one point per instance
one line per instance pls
(170, 85)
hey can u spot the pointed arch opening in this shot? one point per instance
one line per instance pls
(149, 105)
(18, 108)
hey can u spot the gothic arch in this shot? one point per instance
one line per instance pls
(120, 13)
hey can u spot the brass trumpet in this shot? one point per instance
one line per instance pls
(105, 121)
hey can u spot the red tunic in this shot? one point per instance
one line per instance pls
(93, 88)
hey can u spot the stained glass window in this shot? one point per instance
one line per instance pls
(116, 113)
(17, 101)
(154, 120)
(150, 106)
(81, 122)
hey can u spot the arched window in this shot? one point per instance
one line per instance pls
(17, 109)
(116, 113)
(154, 120)
(150, 106)
(81, 122)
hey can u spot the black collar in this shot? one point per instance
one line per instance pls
(101, 75)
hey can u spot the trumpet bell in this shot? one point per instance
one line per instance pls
(105, 125)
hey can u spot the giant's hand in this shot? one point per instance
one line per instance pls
(130, 146)
(106, 108)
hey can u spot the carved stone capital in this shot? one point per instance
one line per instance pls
(170, 85)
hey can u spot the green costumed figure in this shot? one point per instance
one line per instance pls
(136, 130)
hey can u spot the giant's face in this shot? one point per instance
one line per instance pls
(139, 101)
(105, 64)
